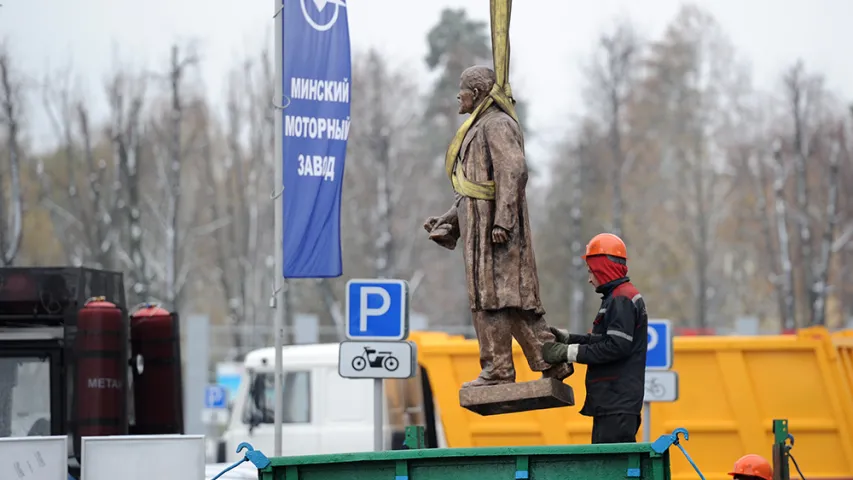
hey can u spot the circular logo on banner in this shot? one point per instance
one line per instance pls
(321, 5)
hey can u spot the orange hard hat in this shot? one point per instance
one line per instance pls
(754, 466)
(606, 244)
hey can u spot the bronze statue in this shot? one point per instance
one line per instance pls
(490, 174)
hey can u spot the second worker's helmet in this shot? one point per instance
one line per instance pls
(753, 466)
(606, 244)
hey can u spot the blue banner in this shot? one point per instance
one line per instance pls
(316, 84)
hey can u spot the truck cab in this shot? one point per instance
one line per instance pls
(40, 362)
(323, 412)
(66, 344)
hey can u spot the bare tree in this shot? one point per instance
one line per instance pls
(613, 72)
(822, 269)
(177, 134)
(95, 200)
(11, 215)
(696, 80)
(126, 96)
(396, 172)
(763, 216)
(577, 273)
(387, 189)
(803, 93)
(240, 202)
(81, 189)
(781, 208)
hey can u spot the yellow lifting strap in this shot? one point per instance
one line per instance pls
(501, 95)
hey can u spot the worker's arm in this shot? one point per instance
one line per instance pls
(616, 343)
(563, 336)
(584, 339)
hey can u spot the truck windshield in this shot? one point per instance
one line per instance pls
(297, 398)
(24, 396)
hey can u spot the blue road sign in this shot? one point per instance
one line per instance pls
(377, 309)
(215, 397)
(659, 354)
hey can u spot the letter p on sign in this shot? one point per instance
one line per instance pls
(367, 311)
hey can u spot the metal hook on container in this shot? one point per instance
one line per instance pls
(258, 459)
(663, 443)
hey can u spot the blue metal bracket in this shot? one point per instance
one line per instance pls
(663, 443)
(522, 467)
(258, 459)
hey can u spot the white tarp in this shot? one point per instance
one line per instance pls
(34, 458)
(244, 471)
(143, 457)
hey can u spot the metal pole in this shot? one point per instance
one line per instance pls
(378, 420)
(647, 422)
(278, 295)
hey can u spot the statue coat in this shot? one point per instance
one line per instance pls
(499, 275)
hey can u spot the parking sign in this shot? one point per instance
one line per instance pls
(377, 309)
(659, 353)
(215, 396)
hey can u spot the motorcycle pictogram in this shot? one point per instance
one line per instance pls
(655, 389)
(376, 360)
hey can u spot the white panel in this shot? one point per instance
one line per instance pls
(143, 457)
(661, 386)
(246, 471)
(378, 359)
(34, 458)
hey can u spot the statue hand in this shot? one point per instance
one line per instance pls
(430, 223)
(499, 235)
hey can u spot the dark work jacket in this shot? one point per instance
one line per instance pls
(615, 352)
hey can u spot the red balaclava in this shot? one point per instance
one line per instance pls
(604, 269)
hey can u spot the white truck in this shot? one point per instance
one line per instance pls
(323, 413)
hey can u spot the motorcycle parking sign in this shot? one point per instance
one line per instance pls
(377, 359)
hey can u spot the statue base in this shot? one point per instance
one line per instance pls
(517, 397)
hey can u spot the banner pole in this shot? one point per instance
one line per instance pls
(277, 302)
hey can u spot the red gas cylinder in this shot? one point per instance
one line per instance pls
(156, 357)
(100, 349)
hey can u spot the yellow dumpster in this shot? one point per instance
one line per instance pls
(730, 390)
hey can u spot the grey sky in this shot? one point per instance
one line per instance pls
(549, 38)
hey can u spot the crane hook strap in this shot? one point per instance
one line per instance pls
(500, 95)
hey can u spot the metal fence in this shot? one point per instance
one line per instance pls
(233, 342)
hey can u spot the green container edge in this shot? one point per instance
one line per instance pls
(417, 454)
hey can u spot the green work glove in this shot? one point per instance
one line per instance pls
(561, 335)
(555, 353)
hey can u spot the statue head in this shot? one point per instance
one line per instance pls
(475, 84)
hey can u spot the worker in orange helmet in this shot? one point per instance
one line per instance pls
(752, 467)
(615, 350)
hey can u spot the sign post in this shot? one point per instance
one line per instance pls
(661, 382)
(312, 121)
(377, 327)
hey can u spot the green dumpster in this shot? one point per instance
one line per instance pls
(613, 461)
